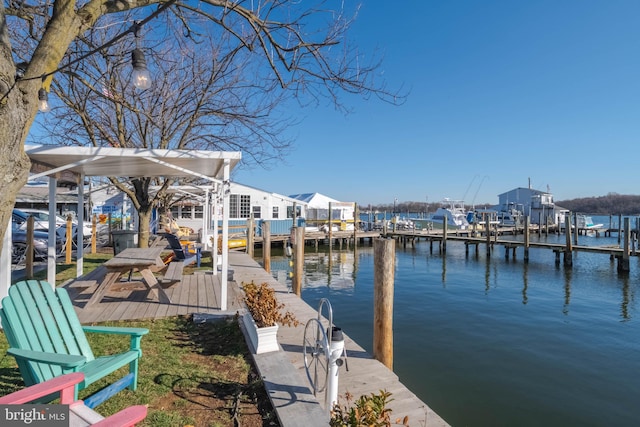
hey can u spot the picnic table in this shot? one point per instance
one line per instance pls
(145, 260)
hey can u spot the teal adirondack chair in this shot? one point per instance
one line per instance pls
(47, 340)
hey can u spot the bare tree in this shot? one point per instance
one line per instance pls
(302, 45)
(203, 97)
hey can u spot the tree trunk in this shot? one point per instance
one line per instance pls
(15, 166)
(18, 104)
(15, 118)
(144, 222)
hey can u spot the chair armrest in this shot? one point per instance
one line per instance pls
(126, 417)
(135, 333)
(116, 330)
(65, 384)
(69, 361)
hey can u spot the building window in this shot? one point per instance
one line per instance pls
(239, 206)
(234, 209)
(256, 212)
(185, 212)
(274, 214)
(245, 206)
(198, 212)
(290, 211)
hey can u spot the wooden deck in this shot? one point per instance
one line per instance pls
(196, 293)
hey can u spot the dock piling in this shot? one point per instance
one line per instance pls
(266, 245)
(383, 281)
(298, 260)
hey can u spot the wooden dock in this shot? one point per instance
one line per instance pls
(283, 372)
(469, 237)
(317, 237)
(365, 375)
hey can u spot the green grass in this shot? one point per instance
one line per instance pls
(190, 374)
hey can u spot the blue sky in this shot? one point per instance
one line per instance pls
(502, 94)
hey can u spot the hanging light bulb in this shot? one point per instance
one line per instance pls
(43, 100)
(140, 76)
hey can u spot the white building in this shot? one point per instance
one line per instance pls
(244, 202)
(536, 204)
(318, 206)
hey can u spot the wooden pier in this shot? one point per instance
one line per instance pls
(492, 239)
(322, 236)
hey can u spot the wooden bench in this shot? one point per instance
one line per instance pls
(173, 274)
(158, 240)
(90, 279)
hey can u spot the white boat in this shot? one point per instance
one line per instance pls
(401, 223)
(455, 213)
(586, 222)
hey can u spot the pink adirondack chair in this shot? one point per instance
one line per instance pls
(80, 415)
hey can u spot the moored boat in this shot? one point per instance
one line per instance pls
(455, 213)
(586, 222)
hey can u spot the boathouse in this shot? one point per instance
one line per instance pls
(320, 207)
(536, 204)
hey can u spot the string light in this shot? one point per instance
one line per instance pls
(140, 77)
(43, 99)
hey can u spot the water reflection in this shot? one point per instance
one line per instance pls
(444, 270)
(626, 299)
(487, 275)
(567, 290)
(525, 282)
(331, 269)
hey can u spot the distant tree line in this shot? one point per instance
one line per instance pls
(612, 203)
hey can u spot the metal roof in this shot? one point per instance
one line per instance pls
(129, 162)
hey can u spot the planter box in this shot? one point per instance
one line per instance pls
(262, 340)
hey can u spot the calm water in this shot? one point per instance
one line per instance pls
(495, 342)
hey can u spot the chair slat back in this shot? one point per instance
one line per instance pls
(35, 317)
(176, 246)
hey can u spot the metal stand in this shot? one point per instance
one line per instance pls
(323, 353)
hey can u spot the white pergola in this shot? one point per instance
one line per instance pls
(76, 163)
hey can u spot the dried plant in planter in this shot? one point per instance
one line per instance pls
(264, 307)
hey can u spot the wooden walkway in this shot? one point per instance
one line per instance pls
(365, 376)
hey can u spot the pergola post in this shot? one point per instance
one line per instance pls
(226, 191)
(206, 219)
(80, 228)
(214, 246)
(51, 250)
